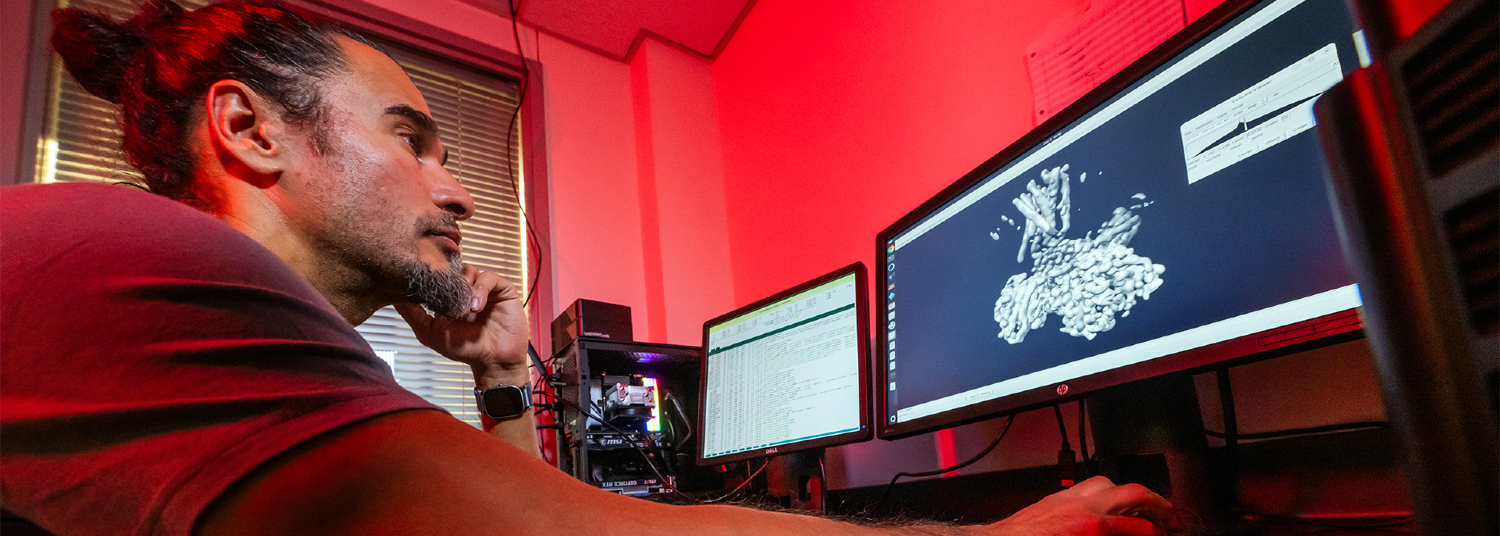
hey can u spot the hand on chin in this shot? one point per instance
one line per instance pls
(491, 337)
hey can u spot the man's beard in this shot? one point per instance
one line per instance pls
(444, 292)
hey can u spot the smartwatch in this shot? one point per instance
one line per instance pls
(503, 402)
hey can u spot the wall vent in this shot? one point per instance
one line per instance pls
(1454, 87)
(1474, 235)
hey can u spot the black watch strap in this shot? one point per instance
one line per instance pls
(503, 402)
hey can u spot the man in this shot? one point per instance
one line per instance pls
(170, 373)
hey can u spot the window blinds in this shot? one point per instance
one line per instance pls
(472, 108)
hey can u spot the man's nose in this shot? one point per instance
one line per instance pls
(451, 196)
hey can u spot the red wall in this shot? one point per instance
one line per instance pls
(595, 249)
(638, 202)
(683, 219)
(837, 121)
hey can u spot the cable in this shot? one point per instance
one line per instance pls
(822, 484)
(1230, 493)
(742, 484)
(540, 387)
(544, 372)
(531, 353)
(686, 421)
(509, 136)
(1251, 514)
(549, 365)
(1062, 429)
(1363, 425)
(1067, 472)
(633, 444)
(888, 487)
(1083, 439)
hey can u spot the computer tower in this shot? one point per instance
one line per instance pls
(604, 442)
(1414, 145)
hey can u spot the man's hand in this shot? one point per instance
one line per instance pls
(491, 338)
(1093, 507)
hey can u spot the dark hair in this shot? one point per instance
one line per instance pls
(158, 65)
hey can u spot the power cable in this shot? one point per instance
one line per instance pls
(1083, 439)
(687, 422)
(1067, 472)
(509, 137)
(742, 485)
(1062, 429)
(1263, 517)
(1362, 425)
(887, 495)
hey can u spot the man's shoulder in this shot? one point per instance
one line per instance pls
(101, 231)
(90, 204)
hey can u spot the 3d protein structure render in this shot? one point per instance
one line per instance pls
(1087, 281)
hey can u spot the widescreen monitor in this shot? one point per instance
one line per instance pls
(1175, 217)
(789, 372)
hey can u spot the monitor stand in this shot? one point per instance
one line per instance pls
(801, 480)
(1150, 432)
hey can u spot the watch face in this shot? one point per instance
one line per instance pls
(504, 401)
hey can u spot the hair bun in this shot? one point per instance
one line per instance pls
(95, 50)
(153, 13)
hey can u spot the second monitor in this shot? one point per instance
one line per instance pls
(787, 373)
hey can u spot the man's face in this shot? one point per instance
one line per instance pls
(377, 207)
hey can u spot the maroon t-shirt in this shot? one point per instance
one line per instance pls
(150, 355)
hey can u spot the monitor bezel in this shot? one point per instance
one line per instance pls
(1231, 349)
(862, 325)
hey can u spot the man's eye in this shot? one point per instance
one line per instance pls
(411, 141)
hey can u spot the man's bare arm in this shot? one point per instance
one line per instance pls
(422, 472)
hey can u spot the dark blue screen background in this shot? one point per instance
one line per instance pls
(1256, 234)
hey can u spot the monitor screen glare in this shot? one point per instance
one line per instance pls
(1188, 208)
(784, 373)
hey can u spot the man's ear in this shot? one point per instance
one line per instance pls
(244, 127)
